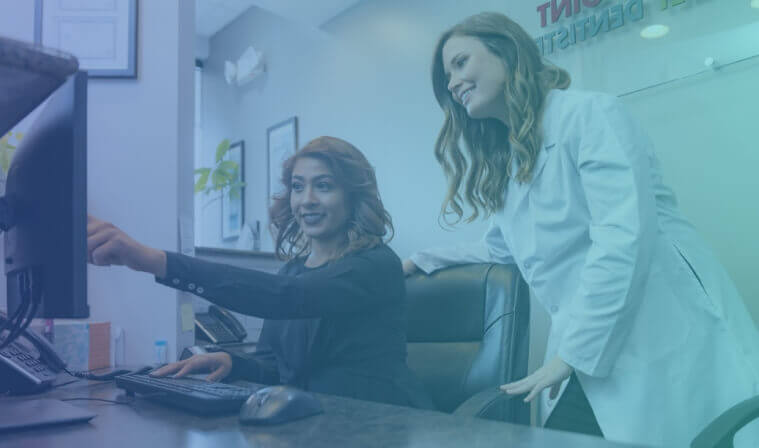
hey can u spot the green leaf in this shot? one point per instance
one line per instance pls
(235, 188)
(220, 178)
(200, 184)
(221, 150)
(229, 166)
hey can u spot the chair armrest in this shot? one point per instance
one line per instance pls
(491, 404)
(720, 432)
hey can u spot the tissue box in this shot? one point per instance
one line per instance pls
(83, 345)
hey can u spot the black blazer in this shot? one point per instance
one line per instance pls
(338, 329)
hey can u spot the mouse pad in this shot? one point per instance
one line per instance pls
(23, 414)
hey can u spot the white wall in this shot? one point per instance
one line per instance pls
(17, 19)
(138, 132)
(136, 137)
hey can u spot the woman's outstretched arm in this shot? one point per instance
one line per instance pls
(490, 249)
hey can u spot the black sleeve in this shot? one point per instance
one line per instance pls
(258, 367)
(355, 283)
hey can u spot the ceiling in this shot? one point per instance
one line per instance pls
(213, 15)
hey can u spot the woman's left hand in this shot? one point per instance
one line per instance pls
(550, 375)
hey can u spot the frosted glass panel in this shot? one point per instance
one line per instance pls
(705, 131)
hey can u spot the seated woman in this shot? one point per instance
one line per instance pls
(335, 314)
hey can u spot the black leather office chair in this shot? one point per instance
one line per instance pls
(720, 432)
(468, 333)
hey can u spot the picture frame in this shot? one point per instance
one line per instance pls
(233, 208)
(281, 143)
(102, 34)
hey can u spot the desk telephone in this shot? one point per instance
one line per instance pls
(219, 326)
(28, 364)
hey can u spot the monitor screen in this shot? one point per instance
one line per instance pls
(46, 189)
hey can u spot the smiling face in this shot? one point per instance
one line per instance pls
(476, 77)
(318, 202)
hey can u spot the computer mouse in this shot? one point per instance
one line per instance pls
(279, 404)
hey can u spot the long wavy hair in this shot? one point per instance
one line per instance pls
(480, 176)
(368, 223)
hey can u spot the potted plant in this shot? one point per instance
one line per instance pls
(224, 174)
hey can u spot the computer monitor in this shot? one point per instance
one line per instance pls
(46, 193)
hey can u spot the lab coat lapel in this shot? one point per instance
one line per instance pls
(519, 190)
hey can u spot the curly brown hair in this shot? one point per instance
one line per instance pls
(368, 221)
(480, 177)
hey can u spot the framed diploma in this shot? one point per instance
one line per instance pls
(102, 34)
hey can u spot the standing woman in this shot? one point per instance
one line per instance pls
(649, 339)
(335, 314)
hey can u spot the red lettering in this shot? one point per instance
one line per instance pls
(565, 6)
(542, 10)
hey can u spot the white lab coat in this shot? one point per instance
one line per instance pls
(659, 337)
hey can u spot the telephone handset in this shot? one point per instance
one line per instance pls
(219, 326)
(28, 364)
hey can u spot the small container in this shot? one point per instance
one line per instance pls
(257, 237)
(161, 352)
(117, 346)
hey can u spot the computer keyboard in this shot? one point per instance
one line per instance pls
(197, 396)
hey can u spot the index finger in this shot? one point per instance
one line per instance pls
(169, 368)
(93, 225)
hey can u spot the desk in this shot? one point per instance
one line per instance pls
(345, 423)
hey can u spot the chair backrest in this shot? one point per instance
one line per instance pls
(468, 330)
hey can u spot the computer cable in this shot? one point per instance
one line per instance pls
(87, 375)
(29, 317)
(95, 377)
(30, 295)
(5, 321)
(15, 323)
(54, 386)
(99, 399)
(130, 397)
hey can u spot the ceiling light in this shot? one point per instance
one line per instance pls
(655, 31)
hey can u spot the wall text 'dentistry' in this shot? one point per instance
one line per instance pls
(588, 27)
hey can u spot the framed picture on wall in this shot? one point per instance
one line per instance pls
(102, 34)
(233, 198)
(281, 143)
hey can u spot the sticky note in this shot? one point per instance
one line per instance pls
(188, 317)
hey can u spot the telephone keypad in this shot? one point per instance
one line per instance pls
(23, 361)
